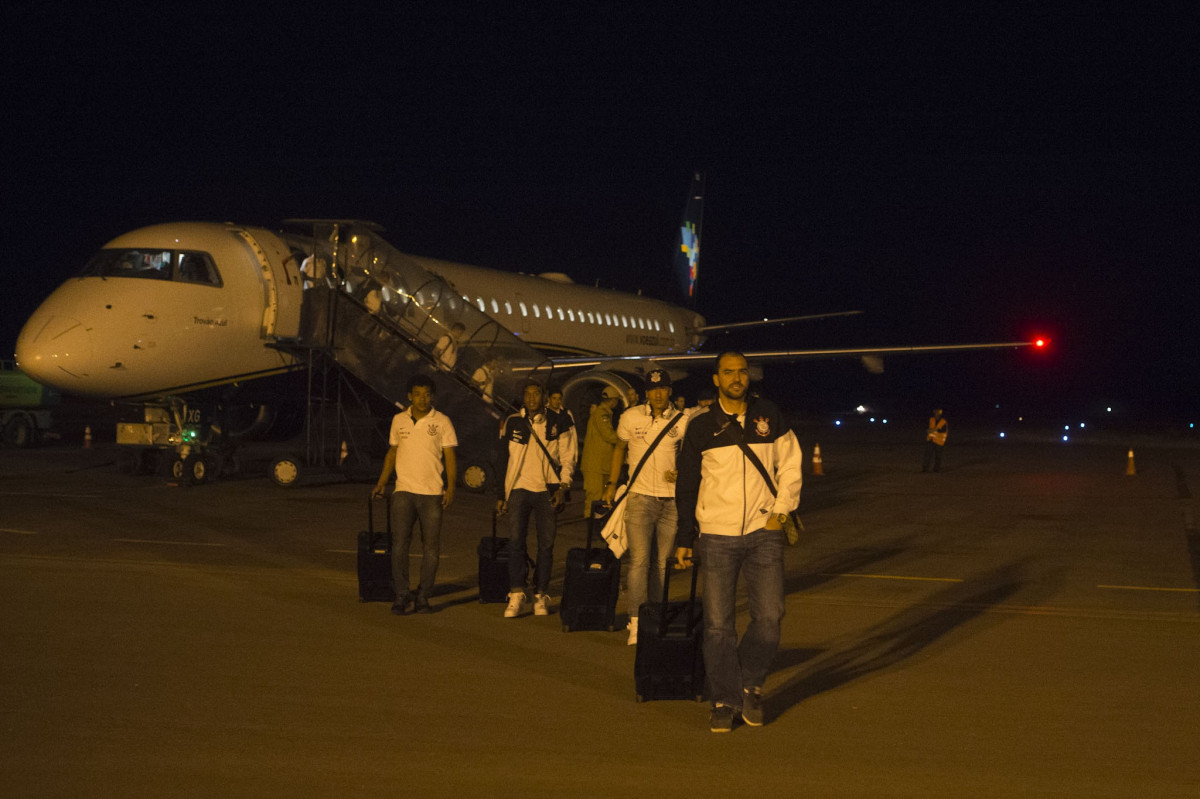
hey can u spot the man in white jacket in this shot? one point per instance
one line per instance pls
(739, 516)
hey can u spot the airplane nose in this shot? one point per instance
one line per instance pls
(56, 351)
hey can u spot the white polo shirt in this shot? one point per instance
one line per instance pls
(419, 448)
(638, 430)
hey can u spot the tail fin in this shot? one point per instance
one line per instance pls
(687, 253)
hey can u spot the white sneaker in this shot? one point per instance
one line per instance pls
(632, 631)
(541, 605)
(516, 604)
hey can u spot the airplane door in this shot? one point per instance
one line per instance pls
(281, 283)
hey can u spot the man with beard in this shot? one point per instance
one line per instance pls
(739, 516)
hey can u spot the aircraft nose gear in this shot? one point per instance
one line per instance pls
(193, 470)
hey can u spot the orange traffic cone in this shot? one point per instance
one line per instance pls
(817, 469)
(1129, 469)
(87, 437)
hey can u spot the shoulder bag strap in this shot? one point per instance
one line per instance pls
(637, 469)
(750, 456)
(553, 463)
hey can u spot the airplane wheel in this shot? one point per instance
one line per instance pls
(18, 432)
(178, 469)
(199, 471)
(478, 477)
(285, 471)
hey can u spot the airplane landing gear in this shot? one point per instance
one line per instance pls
(193, 470)
(285, 471)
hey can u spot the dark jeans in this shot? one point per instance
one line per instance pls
(406, 509)
(933, 457)
(521, 505)
(731, 666)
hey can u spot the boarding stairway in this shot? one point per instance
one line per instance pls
(380, 315)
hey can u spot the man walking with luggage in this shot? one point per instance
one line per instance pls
(721, 494)
(650, 518)
(421, 451)
(534, 484)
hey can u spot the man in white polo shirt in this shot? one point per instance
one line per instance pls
(421, 452)
(650, 515)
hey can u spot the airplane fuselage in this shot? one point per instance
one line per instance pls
(173, 308)
(560, 317)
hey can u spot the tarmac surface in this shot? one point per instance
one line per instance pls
(1025, 623)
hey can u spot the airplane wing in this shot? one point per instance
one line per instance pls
(690, 359)
(771, 322)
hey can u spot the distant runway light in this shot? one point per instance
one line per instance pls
(861, 409)
(837, 423)
(1065, 438)
(1082, 425)
(885, 421)
(1109, 409)
(872, 420)
(1002, 434)
(1066, 427)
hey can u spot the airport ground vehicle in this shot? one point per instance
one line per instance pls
(25, 406)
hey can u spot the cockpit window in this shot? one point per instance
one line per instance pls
(177, 265)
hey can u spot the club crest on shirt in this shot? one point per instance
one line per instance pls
(762, 426)
(432, 430)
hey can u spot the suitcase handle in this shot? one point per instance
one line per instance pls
(691, 617)
(371, 514)
(597, 516)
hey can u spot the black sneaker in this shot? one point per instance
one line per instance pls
(752, 707)
(721, 719)
(422, 605)
(400, 606)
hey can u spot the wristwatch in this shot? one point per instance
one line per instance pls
(781, 518)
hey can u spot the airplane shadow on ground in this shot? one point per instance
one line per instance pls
(910, 632)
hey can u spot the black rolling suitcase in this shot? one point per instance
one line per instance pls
(591, 584)
(375, 582)
(493, 567)
(669, 663)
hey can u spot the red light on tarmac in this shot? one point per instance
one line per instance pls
(1040, 343)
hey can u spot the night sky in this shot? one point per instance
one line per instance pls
(1020, 168)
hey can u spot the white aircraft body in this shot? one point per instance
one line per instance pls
(169, 310)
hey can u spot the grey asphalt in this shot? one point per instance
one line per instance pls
(1025, 623)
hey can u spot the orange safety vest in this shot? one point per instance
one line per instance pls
(937, 430)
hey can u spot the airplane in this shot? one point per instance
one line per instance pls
(165, 315)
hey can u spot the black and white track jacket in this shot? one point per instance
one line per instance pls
(522, 460)
(719, 491)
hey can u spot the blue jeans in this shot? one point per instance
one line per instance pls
(521, 505)
(732, 667)
(649, 521)
(406, 509)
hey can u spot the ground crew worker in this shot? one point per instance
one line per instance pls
(935, 440)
